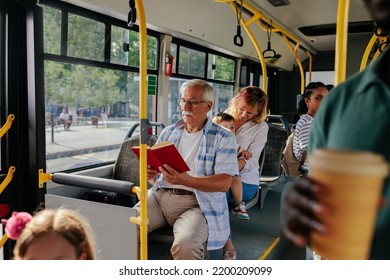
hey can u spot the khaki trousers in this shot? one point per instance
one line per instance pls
(181, 212)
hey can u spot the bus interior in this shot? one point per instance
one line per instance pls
(82, 56)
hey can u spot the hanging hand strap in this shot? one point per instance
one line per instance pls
(269, 50)
(132, 15)
(238, 40)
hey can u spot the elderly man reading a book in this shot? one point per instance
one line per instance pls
(194, 202)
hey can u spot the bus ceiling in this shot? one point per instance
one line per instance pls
(211, 17)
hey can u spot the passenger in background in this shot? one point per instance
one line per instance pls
(194, 203)
(249, 109)
(301, 109)
(59, 234)
(226, 120)
(314, 93)
(354, 116)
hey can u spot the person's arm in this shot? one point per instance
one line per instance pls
(151, 175)
(213, 183)
(301, 138)
(223, 167)
(245, 154)
(255, 148)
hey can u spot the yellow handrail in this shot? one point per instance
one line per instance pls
(381, 40)
(367, 52)
(7, 179)
(142, 220)
(257, 47)
(43, 177)
(3, 240)
(260, 18)
(7, 125)
(341, 41)
(310, 65)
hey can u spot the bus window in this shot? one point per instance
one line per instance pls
(52, 30)
(120, 36)
(192, 62)
(327, 77)
(85, 38)
(102, 100)
(220, 68)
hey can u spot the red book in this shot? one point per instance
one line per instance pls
(164, 153)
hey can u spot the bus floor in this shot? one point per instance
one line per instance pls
(254, 239)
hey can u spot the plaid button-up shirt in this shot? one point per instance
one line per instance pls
(217, 154)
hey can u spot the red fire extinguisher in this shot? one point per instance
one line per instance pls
(168, 64)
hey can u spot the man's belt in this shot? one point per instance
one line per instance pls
(179, 191)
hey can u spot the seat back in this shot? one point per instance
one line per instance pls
(278, 132)
(274, 147)
(127, 164)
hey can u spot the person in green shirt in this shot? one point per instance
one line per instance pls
(355, 115)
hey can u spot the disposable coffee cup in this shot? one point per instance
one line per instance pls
(352, 184)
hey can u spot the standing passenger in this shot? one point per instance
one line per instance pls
(354, 116)
(194, 202)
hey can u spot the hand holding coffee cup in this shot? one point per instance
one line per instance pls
(352, 185)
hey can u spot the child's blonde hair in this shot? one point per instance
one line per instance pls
(63, 222)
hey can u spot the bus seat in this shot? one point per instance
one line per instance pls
(125, 173)
(272, 171)
(117, 189)
(126, 166)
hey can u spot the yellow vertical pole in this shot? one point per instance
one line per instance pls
(142, 190)
(310, 64)
(341, 41)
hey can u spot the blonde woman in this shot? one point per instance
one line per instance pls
(249, 109)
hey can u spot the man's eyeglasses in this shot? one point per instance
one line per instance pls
(190, 103)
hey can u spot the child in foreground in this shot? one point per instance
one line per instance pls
(51, 234)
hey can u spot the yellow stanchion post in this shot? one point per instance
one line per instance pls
(310, 64)
(141, 191)
(341, 41)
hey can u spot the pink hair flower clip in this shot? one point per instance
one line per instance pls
(15, 225)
